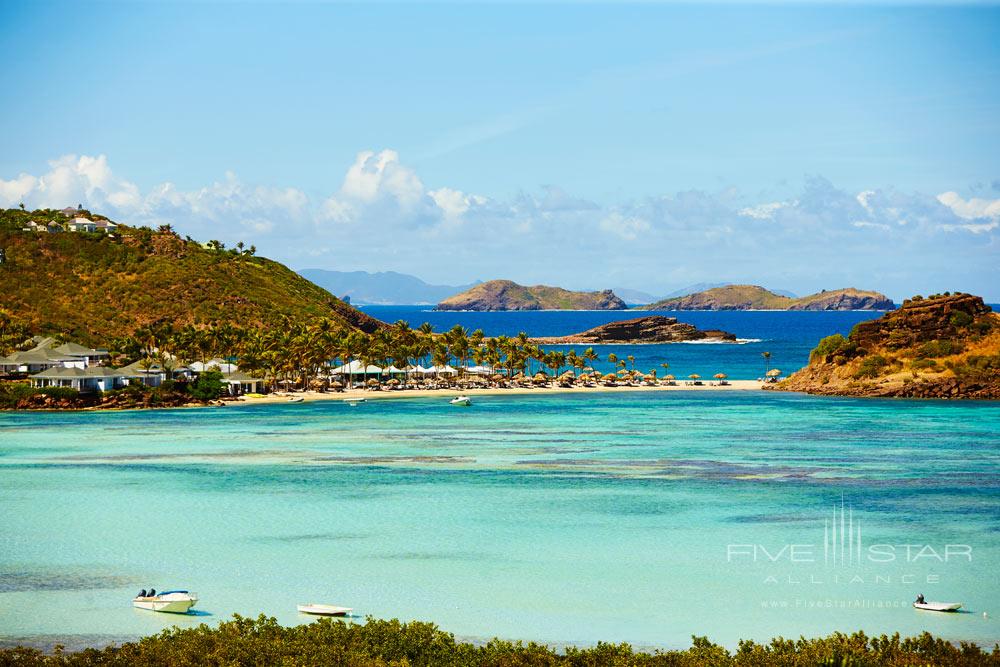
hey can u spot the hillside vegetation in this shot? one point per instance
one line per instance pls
(95, 286)
(378, 643)
(944, 346)
(508, 295)
(754, 297)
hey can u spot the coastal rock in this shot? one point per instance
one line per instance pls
(945, 346)
(754, 297)
(499, 295)
(649, 329)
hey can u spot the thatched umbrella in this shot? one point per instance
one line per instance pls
(774, 372)
(669, 377)
(694, 376)
(720, 376)
(337, 384)
(372, 382)
(393, 382)
(540, 377)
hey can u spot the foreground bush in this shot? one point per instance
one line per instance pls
(245, 641)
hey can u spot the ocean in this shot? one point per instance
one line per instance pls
(787, 335)
(644, 517)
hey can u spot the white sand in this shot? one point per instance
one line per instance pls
(283, 397)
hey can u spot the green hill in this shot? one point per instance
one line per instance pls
(754, 297)
(508, 295)
(94, 286)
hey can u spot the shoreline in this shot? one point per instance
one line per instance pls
(368, 394)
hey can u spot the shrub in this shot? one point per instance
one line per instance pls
(262, 641)
(208, 386)
(960, 319)
(871, 367)
(939, 348)
(834, 347)
(924, 364)
(61, 393)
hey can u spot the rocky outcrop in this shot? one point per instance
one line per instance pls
(754, 297)
(920, 320)
(497, 295)
(945, 346)
(650, 329)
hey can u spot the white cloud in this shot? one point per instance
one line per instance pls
(388, 219)
(765, 211)
(627, 227)
(970, 209)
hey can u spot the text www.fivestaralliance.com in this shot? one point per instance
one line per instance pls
(831, 603)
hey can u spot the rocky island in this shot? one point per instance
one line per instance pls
(754, 297)
(944, 346)
(498, 295)
(649, 329)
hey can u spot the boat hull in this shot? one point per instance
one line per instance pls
(170, 604)
(323, 610)
(938, 606)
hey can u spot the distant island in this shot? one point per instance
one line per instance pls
(649, 329)
(944, 346)
(754, 297)
(496, 295)
(381, 288)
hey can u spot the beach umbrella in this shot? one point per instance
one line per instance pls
(720, 376)
(669, 377)
(372, 382)
(774, 372)
(694, 376)
(541, 376)
(337, 385)
(585, 377)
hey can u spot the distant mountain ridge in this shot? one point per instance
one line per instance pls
(497, 295)
(384, 288)
(755, 297)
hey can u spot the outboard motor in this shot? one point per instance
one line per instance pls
(152, 592)
(142, 593)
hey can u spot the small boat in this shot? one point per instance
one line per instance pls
(354, 401)
(172, 602)
(295, 399)
(461, 400)
(938, 606)
(323, 609)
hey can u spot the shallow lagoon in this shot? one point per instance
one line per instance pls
(562, 518)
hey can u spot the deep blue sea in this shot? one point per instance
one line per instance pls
(787, 335)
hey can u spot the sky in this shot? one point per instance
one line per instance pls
(800, 146)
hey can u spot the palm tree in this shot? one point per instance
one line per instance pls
(631, 361)
(767, 361)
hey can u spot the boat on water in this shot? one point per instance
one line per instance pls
(315, 609)
(938, 606)
(171, 602)
(354, 401)
(461, 400)
(295, 399)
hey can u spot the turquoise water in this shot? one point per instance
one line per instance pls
(561, 518)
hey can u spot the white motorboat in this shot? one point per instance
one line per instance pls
(461, 400)
(172, 602)
(323, 609)
(354, 401)
(938, 606)
(295, 399)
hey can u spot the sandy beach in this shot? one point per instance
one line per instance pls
(283, 397)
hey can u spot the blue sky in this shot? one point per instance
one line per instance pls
(646, 145)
